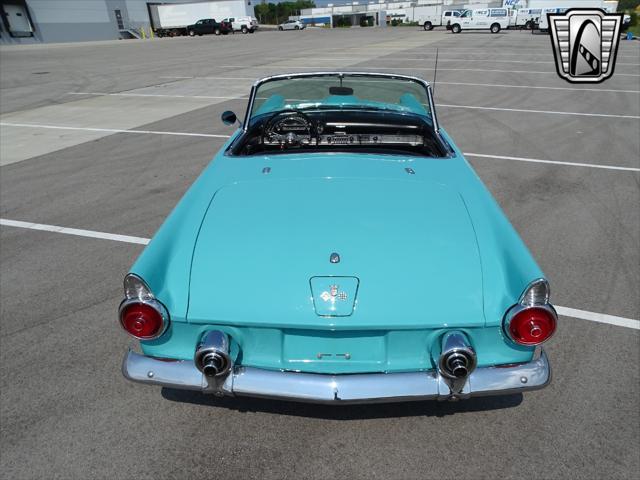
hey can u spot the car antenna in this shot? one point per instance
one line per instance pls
(435, 74)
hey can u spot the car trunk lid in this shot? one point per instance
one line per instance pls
(406, 248)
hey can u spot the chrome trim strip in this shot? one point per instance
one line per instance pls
(432, 107)
(364, 124)
(524, 300)
(181, 374)
(285, 76)
(252, 98)
(356, 388)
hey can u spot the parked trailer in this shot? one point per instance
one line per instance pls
(543, 23)
(173, 19)
(562, 6)
(512, 17)
(433, 16)
(527, 17)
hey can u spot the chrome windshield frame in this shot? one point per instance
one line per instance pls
(286, 76)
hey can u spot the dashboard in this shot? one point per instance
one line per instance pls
(340, 130)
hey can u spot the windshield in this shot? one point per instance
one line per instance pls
(336, 91)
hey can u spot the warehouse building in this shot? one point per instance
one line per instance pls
(38, 21)
(379, 12)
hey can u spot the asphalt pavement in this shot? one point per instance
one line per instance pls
(107, 137)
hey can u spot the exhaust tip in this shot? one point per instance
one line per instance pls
(214, 364)
(460, 370)
(212, 355)
(210, 371)
(457, 363)
(457, 360)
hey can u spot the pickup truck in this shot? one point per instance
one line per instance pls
(433, 16)
(243, 24)
(207, 26)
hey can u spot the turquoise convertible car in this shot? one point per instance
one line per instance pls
(339, 248)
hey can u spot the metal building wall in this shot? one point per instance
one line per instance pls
(139, 12)
(81, 20)
(64, 21)
(84, 20)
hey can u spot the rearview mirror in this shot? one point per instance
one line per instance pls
(229, 118)
(340, 91)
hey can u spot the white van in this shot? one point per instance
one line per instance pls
(493, 19)
(243, 24)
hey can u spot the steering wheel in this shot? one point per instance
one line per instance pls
(290, 128)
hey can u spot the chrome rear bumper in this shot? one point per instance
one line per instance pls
(352, 388)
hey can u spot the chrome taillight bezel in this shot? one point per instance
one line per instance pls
(537, 292)
(142, 294)
(536, 295)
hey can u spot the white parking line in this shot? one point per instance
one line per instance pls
(346, 69)
(473, 107)
(445, 48)
(221, 78)
(441, 59)
(547, 53)
(599, 317)
(110, 130)
(74, 231)
(569, 312)
(211, 78)
(516, 71)
(571, 89)
(254, 78)
(553, 162)
(481, 155)
(101, 94)
(548, 112)
(574, 89)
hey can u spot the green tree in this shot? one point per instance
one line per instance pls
(627, 5)
(275, 13)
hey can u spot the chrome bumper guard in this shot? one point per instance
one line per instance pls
(347, 388)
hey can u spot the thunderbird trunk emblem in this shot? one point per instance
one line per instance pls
(333, 299)
(585, 44)
(334, 294)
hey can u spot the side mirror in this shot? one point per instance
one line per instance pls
(229, 118)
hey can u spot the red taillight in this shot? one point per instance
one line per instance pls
(141, 320)
(532, 326)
